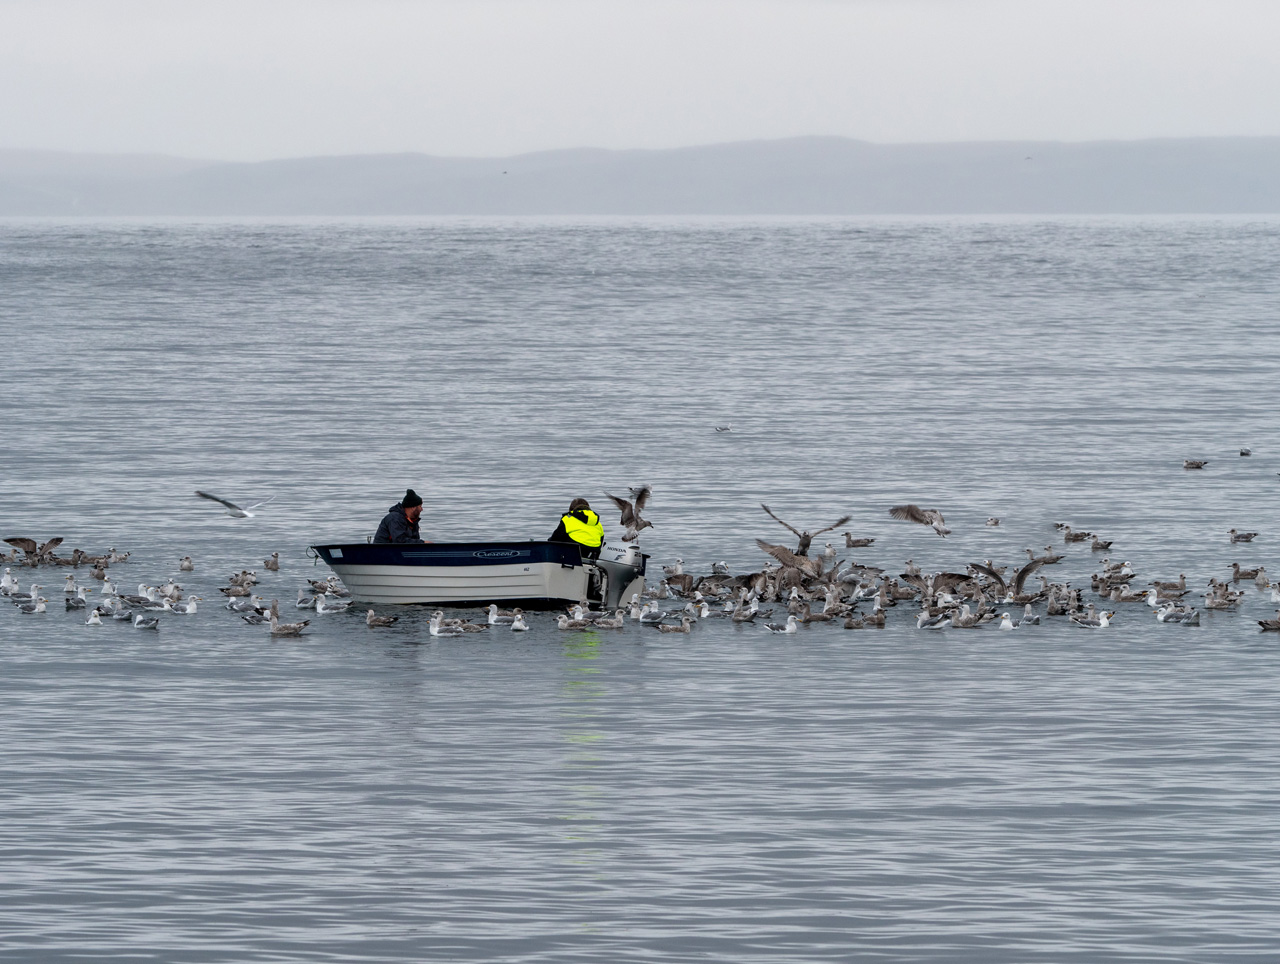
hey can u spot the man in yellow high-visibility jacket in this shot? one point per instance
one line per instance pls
(582, 526)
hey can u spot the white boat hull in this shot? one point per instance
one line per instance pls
(529, 574)
(432, 584)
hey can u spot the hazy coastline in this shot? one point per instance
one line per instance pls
(797, 176)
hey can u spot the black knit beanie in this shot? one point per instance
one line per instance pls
(411, 499)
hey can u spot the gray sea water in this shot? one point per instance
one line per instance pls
(208, 794)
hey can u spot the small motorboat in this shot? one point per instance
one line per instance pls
(532, 575)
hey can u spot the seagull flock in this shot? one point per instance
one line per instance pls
(814, 587)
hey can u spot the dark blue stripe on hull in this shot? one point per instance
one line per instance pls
(450, 554)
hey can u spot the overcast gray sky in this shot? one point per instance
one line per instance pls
(277, 78)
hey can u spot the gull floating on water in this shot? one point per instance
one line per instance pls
(1170, 612)
(26, 597)
(1101, 621)
(667, 628)
(437, 629)
(927, 621)
(324, 606)
(651, 614)
(233, 510)
(497, 615)
(285, 629)
(611, 622)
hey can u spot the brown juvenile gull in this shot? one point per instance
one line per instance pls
(810, 567)
(284, 629)
(1238, 573)
(1018, 579)
(35, 554)
(1049, 557)
(667, 628)
(925, 517)
(806, 537)
(631, 520)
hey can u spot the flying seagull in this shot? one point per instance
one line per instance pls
(233, 510)
(925, 517)
(805, 537)
(631, 512)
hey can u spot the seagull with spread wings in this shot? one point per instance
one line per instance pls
(631, 520)
(233, 510)
(35, 554)
(805, 537)
(925, 517)
(810, 567)
(1007, 590)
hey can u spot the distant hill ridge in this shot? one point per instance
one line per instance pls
(799, 176)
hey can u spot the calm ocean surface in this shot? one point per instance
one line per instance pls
(206, 794)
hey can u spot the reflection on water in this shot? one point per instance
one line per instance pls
(583, 691)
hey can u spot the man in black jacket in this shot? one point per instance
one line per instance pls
(400, 524)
